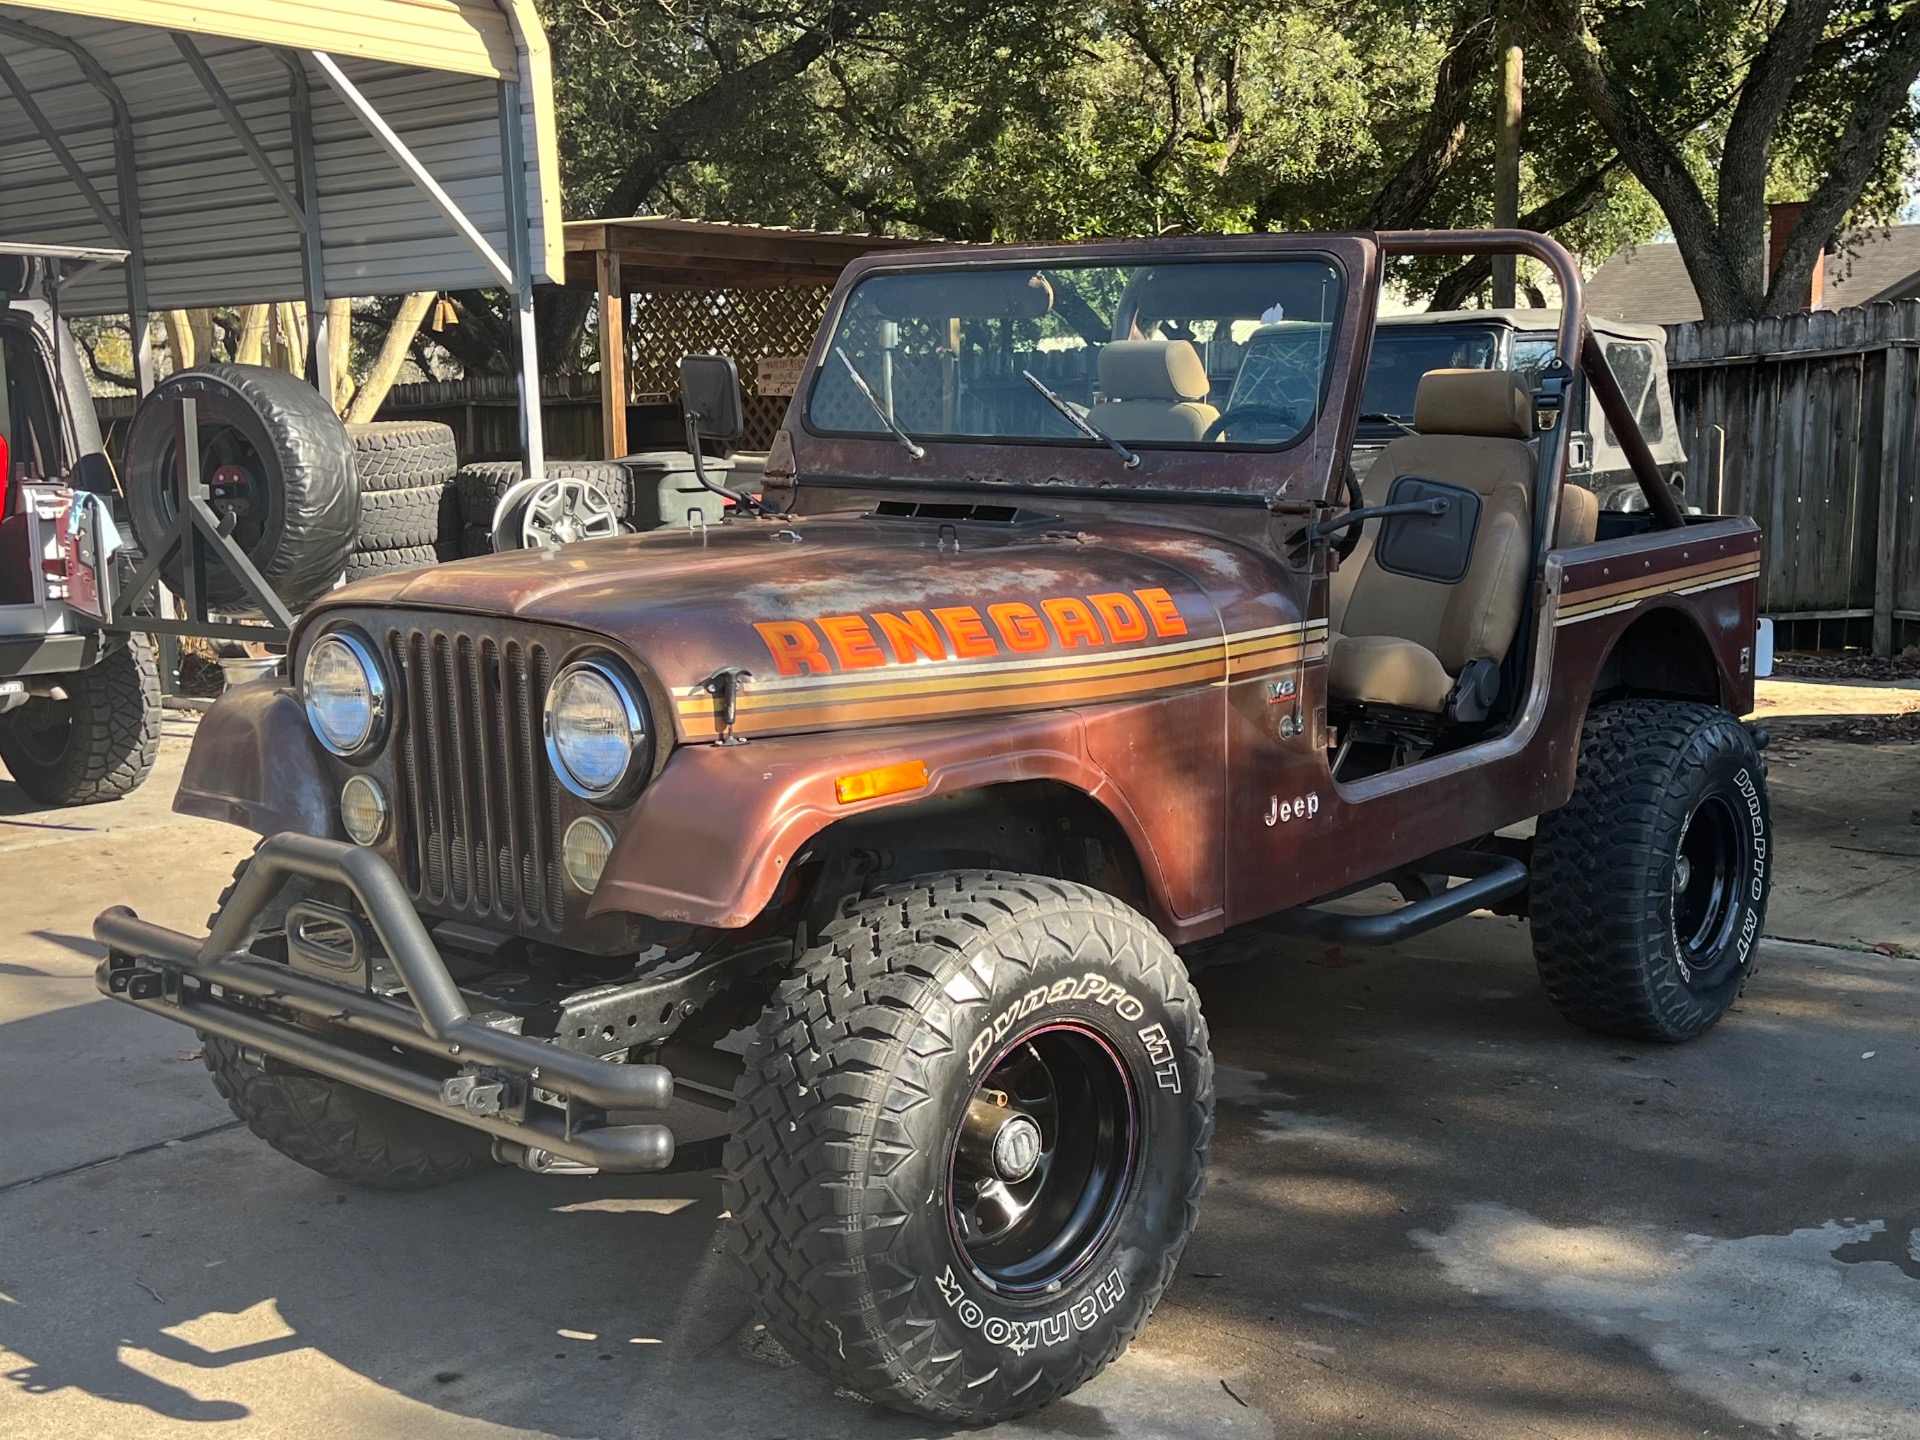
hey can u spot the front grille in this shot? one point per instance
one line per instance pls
(478, 819)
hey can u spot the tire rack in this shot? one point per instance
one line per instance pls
(198, 533)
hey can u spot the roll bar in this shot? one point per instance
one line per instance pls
(1576, 344)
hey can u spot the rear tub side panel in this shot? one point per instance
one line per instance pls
(1706, 572)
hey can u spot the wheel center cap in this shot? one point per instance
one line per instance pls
(1016, 1149)
(1682, 873)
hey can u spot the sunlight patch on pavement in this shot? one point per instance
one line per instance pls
(1780, 1330)
(624, 1205)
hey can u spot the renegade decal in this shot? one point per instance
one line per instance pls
(831, 678)
(853, 642)
(1021, 1336)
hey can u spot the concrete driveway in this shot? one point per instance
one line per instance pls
(1436, 1211)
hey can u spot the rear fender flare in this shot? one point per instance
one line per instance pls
(713, 836)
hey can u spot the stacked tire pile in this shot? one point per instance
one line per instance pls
(408, 511)
(481, 485)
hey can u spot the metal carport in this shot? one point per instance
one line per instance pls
(247, 151)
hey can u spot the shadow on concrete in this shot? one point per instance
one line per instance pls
(1364, 1096)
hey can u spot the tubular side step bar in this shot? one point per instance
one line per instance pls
(167, 973)
(1486, 877)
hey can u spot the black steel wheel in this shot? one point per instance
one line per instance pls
(1044, 1158)
(970, 1142)
(1649, 888)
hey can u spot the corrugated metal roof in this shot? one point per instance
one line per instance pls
(213, 231)
(470, 37)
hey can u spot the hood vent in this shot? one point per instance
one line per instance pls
(986, 514)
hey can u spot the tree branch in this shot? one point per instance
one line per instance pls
(1580, 198)
(1746, 155)
(1654, 159)
(1880, 99)
(1403, 200)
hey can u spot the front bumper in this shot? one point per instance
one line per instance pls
(467, 1070)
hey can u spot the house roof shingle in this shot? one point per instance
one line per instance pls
(1649, 284)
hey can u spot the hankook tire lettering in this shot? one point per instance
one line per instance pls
(1022, 1336)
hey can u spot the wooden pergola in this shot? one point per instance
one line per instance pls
(650, 253)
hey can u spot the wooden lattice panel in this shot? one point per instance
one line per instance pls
(750, 325)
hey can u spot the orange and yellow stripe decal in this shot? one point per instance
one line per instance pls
(938, 690)
(1592, 601)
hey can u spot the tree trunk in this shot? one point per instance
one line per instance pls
(393, 354)
(179, 338)
(253, 335)
(340, 352)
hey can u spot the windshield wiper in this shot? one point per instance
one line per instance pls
(1080, 422)
(1380, 417)
(914, 448)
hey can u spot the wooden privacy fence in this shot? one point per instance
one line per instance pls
(1808, 423)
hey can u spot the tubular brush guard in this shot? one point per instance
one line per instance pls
(215, 986)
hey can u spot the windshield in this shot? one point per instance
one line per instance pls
(1402, 355)
(1141, 357)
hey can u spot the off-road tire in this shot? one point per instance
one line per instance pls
(475, 540)
(363, 563)
(307, 489)
(105, 747)
(1605, 913)
(482, 484)
(393, 519)
(403, 454)
(344, 1133)
(844, 1123)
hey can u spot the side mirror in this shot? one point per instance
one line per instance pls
(710, 396)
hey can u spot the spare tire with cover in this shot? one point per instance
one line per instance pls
(274, 456)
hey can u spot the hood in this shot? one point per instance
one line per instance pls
(857, 620)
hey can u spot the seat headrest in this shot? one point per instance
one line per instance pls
(1494, 403)
(1152, 370)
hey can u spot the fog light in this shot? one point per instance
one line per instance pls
(363, 810)
(584, 852)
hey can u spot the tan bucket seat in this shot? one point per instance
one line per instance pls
(1154, 390)
(1401, 639)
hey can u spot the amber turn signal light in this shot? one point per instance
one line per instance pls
(887, 780)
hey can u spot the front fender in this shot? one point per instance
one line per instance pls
(255, 764)
(714, 834)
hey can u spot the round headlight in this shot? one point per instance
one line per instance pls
(346, 698)
(596, 730)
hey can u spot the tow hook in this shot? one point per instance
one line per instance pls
(539, 1162)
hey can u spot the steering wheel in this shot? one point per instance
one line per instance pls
(1287, 415)
(1350, 537)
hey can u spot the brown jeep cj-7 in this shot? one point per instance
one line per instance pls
(1033, 674)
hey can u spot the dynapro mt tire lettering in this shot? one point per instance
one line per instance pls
(1649, 888)
(854, 1208)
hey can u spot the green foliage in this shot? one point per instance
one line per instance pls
(1026, 122)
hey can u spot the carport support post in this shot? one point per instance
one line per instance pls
(613, 353)
(306, 189)
(514, 162)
